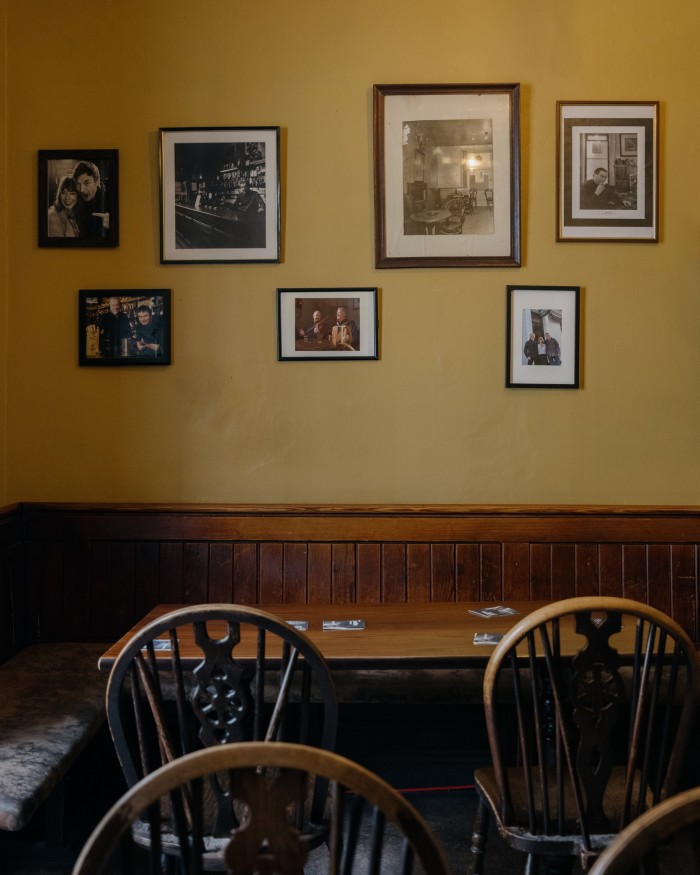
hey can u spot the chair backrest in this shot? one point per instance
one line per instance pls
(266, 784)
(488, 193)
(587, 717)
(181, 684)
(642, 846)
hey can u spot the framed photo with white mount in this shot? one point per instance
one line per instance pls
(608, 171)
(327, 324)
(542, 337)
(447, 175)
(219, 195)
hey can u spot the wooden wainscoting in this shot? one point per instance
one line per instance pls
(91, 571)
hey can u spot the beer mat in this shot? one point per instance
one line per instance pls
(487, 637)
(343, 625)
(500, 611)
(303, 625)
(160, 644)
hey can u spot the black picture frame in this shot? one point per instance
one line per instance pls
(447, 175)
(78, 198)
(124, 334)
(542, 313)
(608, 171)
(219, 195)
(302, 335)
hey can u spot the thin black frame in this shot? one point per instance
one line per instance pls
(107, 162)
(217, 219)
(550, 377)
(630, 223)
(392, 247)
(291, 346)
(130, 357)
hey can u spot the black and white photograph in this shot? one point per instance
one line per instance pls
(542, 336)
(447, 177)
(124, 327)
(607, 172)
(327, 324)
(78, 198)
(220, 194)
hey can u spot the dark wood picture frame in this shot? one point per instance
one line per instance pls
(124, 327)
(219, 195)
(447, 175)
(78, 198)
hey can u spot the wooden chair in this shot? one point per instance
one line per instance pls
(453, 225)
(161, 707)
(640, 848)
(488, 193)
(581, 745)
(265, 786)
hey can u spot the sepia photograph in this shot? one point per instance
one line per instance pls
(327, 324)
(220, 192)
(607, 172)
(447, 175)
(124, 326)
(542, 336)
(78, 198)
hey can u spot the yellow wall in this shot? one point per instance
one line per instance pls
(430, 421)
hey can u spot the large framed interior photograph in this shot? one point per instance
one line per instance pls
(542, 337)
(608, 171)
(447, 175)
(327, 324)
(78, 198)
(124, 327)
(219, 194)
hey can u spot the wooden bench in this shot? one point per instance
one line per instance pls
(52, 704)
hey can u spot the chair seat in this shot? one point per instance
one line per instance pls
(518, 834)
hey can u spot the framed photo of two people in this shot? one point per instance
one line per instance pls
(78, 197)
(608, 171)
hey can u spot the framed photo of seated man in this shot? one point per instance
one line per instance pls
(118, 327)
(326, 324)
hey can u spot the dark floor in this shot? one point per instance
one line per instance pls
(429, 753)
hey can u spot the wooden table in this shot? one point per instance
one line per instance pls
(396, 636)
(431, 218)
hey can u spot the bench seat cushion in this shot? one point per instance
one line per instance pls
(52, 701)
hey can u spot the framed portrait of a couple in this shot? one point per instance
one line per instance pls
(447, 175)
(219, 195)
(336, 324)
(118, 327)
(78, 198)
(608, 171)
(542, 337)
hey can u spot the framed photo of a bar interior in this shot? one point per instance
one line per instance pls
(542, 336)
(219, 194)
(78, 198)
(608, 171)
(124, 327)
(447, 175)
(327, 324)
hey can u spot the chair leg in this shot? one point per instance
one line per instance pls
(532, 864)
(479, 834)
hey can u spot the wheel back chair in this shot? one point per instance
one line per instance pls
(646, 846)
(217, 675)
(585, 734)
(372, 828)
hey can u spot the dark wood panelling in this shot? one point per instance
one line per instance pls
(13, 616)
(103, 567)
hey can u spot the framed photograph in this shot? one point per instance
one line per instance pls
(219, 195)
(78, 197)
(327, 324)
(447, 175)
(124, 327)
(608, 171)
(542, 337)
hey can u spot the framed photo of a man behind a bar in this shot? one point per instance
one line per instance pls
(608, 171)
(219, 194)
(78, 197)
